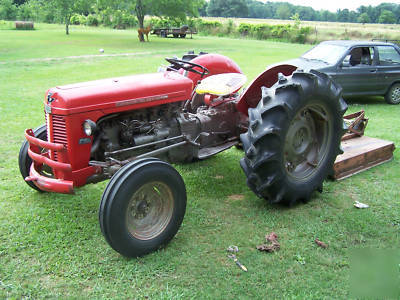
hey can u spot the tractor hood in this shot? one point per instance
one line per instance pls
(123, 93)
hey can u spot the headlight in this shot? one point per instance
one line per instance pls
(89, 127)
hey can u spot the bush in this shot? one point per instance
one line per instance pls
(209, 27)
(167, 22)
(290, 33)
(261, 31)
(244, 29)
(8, 10)
(105, 17)
(229, 27)
(26, 12)
(92, 20)
(122, 20)
(78, 19)
(5, 25)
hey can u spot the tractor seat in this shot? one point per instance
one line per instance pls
(221, 84)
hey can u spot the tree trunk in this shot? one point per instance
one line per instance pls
(140, 16)
(67, 19)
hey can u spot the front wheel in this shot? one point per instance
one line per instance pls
(293, 137)
(142, 207)
(393, 94)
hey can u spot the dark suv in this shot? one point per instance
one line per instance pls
(361, 68)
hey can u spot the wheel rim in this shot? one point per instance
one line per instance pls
(307, 141)
(149, 210)
(396, 94)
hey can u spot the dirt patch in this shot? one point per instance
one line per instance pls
(236, 197)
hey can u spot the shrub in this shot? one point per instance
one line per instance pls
(122, 20)
(245, 29)
(8, 10)
(229, 27)
(92, 20)
(105, 17)
(261, 31)
(26, 12)
(77, 19)
(168, 22)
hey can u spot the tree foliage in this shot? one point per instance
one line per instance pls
(121, 13)
(363, 18)
(227, 8)
(65, 9)
(284, 10)
(8, 10)
(387, 17)
(161, 8)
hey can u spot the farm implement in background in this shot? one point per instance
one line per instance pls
(176, 32)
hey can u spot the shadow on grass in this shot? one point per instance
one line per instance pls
(365, 100)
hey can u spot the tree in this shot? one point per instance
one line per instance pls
(387, 17)
(343, 15)
(161, 8)
(165, 8)
(19, 2)
(8, 10)
(284, 12)
(228, 8)
(203, 10)
(363, 18)
(66, 8)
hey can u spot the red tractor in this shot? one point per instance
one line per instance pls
(289, 123)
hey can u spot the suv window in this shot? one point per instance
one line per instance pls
(388, 56)
(360, 56)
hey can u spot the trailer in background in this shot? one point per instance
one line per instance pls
(174, 32)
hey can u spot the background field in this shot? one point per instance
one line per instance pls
(51, 245)
(330, 30)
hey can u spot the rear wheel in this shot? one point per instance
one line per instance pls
(142, 207)
(393, 95)
(294, 137)
(24, 161)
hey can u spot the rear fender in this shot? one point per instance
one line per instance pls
(252, 95)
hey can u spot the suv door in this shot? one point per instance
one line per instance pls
(388, 66)
(357, 73)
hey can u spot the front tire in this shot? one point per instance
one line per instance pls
(393, 94)
(293, 137)
(24, 161)
(142, 207)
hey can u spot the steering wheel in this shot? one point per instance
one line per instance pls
(188, 66)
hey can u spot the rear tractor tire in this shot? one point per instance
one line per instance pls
(142, 207)
(293, 137)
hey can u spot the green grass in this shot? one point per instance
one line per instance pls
(51, 245)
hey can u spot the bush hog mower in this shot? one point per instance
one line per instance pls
(289, 123)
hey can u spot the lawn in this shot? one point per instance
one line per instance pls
(51, 245)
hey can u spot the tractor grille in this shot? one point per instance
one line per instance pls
(59, 134)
